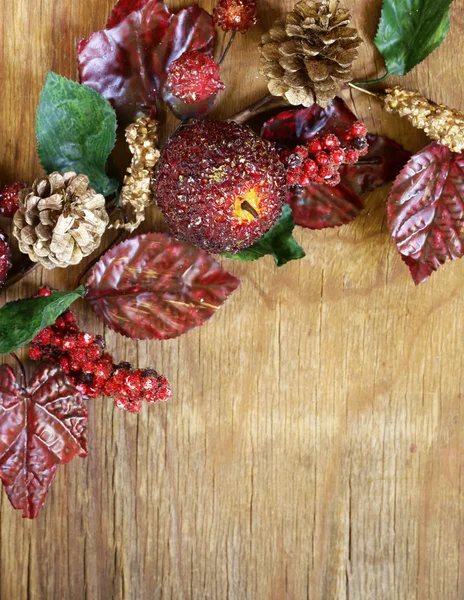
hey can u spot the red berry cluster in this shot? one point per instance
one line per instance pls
(82, 356)
(235, 15)
(320, 160)
(194, 77)
(9, 200)
(5, 257)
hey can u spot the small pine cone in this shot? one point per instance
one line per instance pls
(141, 137)
(440, 123)
(308, 55)
(60, 220)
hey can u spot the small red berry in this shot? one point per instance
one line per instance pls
(74, 366)
(348, 137)
(5, 257)
(322, 159)
(69, 317)
(93, 391)
(326, 172)
(310, 168)
(78, 355)
(164, 389)
(292, 179)
(9, 199)
(72, 329)
(330, 142)
(57, 340)
(107, 358)
(364, 151)
(334, 180)
(304, 180)
(149, 384)
(351, 156)
(359, 143)
(69, 342)
(84, 340)
(64, 363)
(315, 145)
(94, 352)
(358, 129)
(337, 156)
(44, 337)
(100, 382)
(82, 388)
(302, 152)
(111, 387)
(88, 366)
(102, 369)
(44, 292)
(35, 353)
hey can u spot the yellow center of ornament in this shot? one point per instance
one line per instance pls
(247, 206)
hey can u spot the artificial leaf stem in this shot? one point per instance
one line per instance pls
(226, 51)
(371, 81)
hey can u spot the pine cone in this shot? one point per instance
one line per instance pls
(308, 54)
(440, 123)
(142, 137)
(60, 220)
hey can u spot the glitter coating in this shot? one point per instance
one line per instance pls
(235, 15)
(209, 175)
(194, 77)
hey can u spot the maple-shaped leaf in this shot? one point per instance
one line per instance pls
(127, 63)
(154, 286)
(41, 426)
(426, 210)
(319, 206)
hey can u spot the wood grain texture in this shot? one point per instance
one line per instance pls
(314, 446)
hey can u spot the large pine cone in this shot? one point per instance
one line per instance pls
(308, 54)
(60, 220)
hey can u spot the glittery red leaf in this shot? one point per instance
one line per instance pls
(154, 286)
(321, 206)
(41, 427)
(318, 206)
(426, 210)
(127, 62)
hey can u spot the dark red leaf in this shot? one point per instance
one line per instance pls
(128, 61)
(426, 210)
(321, 206)
(381, 165)
(315, 206)
(154, 286)
(41, 427)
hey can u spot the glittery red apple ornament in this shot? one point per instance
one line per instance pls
(219, 185)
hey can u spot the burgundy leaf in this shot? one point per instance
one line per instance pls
(321, 206)
(127, 62)
(381, 165)
(154, 286)
(41, 427)
(318, 206)
(426, 210)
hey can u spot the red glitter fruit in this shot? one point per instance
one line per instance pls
(194, 77)
(358, 129)
(9, 200)
(219, 185)
(235, 15)
(5, 257)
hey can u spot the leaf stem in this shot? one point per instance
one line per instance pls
(113, 243)
(372, 81)
(21, 368)
(226, 51)
(360, 89)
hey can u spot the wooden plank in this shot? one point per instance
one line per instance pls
(314, 445)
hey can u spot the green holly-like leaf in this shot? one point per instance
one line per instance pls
(21, 321)
(410, 30)
(278, 242)
(76, 131)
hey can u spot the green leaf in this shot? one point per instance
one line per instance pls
(22, 320)
(278, 242)
(410, 30)
(76, 131)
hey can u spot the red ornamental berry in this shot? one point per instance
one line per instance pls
(358, 129)
(337, 156)
(348, 137)
(93, 391)
(69, 317)
(9, 199)
(304, 180)
(5, 257)
(334, 180)
(134, 381)
(322, 159)
(330, 142)
(44, 337)
(302, 152)
(111, 387)
(69, 342)
(102, 369)
(100, 382)
(315, 145)
(235, 15)
(64, 363)
(150, 383)
(310, 168)
(79, 355)
(44, 292)
(326, 172)
(194, 77)
(57, 340)
(84, 340)
(88, 366)
(82, 388)
(351, 156)
(94, 352)
(35, 353)
(164, 389)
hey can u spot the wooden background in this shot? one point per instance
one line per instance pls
(313, 448)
